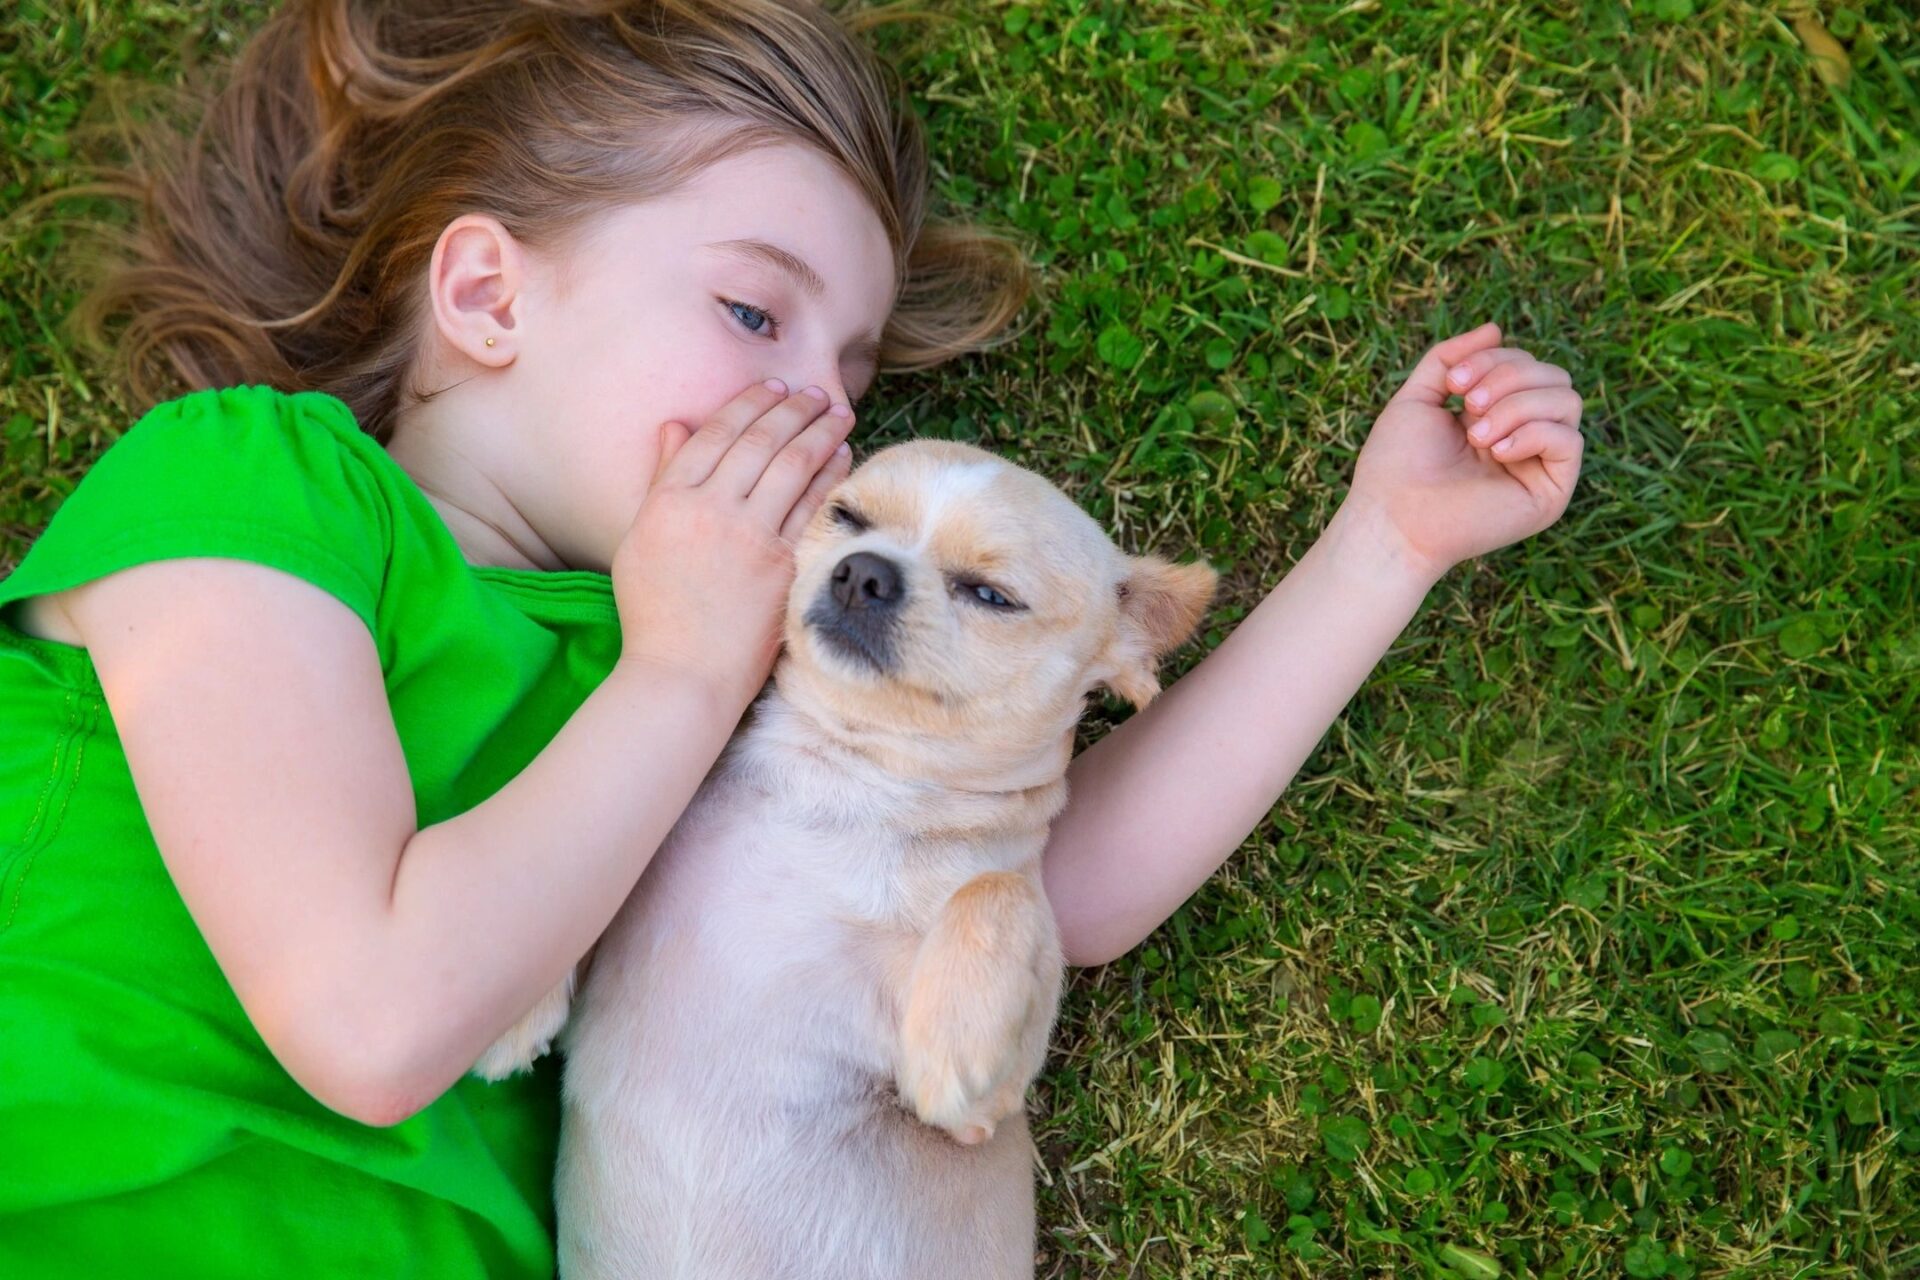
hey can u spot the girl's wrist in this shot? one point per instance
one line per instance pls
(1365, 538)
(724, 696)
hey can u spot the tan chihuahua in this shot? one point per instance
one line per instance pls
(803, 1046)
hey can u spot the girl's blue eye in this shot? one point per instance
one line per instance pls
(753, 319)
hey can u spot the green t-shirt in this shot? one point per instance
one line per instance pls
(145, 1128)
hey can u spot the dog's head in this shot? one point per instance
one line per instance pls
(945, 595)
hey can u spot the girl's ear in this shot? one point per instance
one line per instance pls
(477, 288)
(1160, 605)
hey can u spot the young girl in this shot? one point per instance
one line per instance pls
(346, 698)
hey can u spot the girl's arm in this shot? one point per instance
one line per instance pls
(376, 960)
(1158, 804)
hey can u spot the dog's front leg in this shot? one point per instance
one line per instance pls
(533, 1035)
(980, 1004)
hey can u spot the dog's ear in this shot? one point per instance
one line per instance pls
(1160, 605)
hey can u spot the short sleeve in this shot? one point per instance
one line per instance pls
(246, 473)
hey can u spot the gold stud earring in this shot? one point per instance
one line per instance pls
(489, 341)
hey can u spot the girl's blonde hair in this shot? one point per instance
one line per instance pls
(286, 239)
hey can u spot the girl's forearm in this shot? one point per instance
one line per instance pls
(491, 908)
(1158, 804)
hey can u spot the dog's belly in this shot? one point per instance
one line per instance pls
(729, 1103)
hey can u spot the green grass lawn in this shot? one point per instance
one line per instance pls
(1586, 942)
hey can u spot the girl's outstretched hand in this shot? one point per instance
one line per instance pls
(1458, 486)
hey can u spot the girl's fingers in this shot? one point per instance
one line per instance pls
(1549, 404)
(1557, 445)
(824, 482)
(702, 453)
(1467, 373)
(1523, 374)
(1428, 381)
(792, 471)
(758, 449)
(673, 435)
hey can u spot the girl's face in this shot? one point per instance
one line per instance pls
(768, 264)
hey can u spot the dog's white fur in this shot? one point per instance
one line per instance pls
(803, 1046)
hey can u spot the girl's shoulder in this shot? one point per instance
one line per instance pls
(286, 479)
(254, 423)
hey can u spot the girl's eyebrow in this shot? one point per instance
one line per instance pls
(773, 255)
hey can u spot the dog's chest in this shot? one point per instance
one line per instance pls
(781, 856)
(776, 926)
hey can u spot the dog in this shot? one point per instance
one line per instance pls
(802, 1048)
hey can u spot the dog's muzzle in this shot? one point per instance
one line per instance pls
(857, 613)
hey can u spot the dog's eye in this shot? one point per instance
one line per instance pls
(846, 517)
(985, 594)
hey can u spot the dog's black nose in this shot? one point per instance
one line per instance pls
(866, 581)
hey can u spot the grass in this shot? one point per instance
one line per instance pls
(1585, 945)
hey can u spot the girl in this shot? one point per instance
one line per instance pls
(346, 698)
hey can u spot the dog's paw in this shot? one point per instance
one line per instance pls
(528, 1038)
(980, 1000)
(964, 1093)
